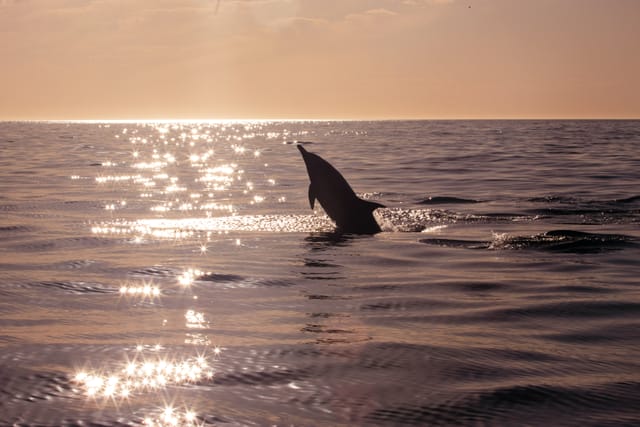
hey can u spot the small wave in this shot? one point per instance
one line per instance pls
(10, 322)
(408, 305)
(7, 339)
(15, 229)
(76, 264)
(632, 199)
(72, 287)
(261, 378)
(21, 385)
(323, 240)
(567, 241)
(412, 220)
(324, 276)
(620, 332)
(453, 243)
(579, 211)
(9, 208)
(576, 289)
(156, 271)
(418, 220)
(327, 297)
(227, 280)
(218, 277)
(62, 244)
(551, 199)
(506, 405)
(318, 328)
(234, 280)
(567, 310)
(320, 264)
(446, 200)
(481, 287)
(501, 216)
(128, 336)
(582, 211)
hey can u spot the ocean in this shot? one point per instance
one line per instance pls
(173, 273)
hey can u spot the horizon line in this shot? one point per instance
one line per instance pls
(266, 120)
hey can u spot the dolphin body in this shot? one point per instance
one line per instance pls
(350, 213)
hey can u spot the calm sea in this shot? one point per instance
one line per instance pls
(174, 274)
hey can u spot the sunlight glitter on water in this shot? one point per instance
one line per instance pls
(211, 168)
(172, 171)
(188, 276)
(195, 158)
(170, 417)
(195, 320)
(146, 375)
(149, 371)
(145, 290)
(179, 229)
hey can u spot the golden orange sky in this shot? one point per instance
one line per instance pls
(315, 59)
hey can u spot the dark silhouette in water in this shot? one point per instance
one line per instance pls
(350, 213)
(564, 241)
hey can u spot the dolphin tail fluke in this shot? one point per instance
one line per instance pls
(370, 206)
(362, 220)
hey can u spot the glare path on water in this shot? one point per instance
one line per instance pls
(180, 169)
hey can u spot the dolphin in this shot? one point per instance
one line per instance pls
(350, 213)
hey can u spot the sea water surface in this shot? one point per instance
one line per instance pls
(173, 273)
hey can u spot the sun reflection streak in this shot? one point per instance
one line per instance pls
(164, 156)
(145, 291)
(116, 178)
(170, 417)
(183, 228)
(195, 320)
(188, 276)
(143, 376)
(173, 170)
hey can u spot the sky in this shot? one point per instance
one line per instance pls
(319, 59)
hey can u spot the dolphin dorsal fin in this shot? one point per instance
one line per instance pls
(312, 196)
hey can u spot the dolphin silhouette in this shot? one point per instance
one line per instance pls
(350, 213)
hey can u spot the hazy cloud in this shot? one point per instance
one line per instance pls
(310, 58)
